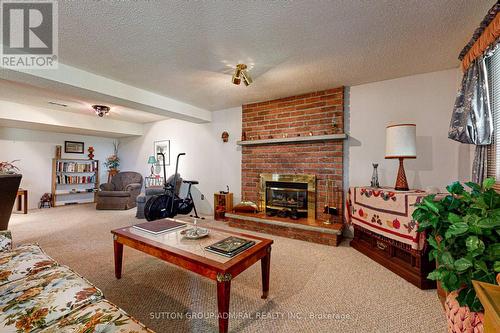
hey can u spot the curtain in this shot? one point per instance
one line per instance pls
(472, 120)
(479, 166)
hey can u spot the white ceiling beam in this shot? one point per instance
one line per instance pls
(30, 117)
(71, 80)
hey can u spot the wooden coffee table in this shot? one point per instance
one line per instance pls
(191, 255)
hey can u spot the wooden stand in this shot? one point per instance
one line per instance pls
(222, 200)
(112, 173)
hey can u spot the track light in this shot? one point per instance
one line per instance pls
(239, 73)
(247, 79)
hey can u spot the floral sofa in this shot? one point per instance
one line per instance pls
(39, 295)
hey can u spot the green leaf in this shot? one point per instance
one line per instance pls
(455, 188)
(433, 254)
(446, 259)
(481, 265)
(473, 186)
(494, 250)
(472, 243)
(488, 183)
(432, 242)
(454, 218)
(488, 223)
(467, 297)
(434, 275)
(462, 264)
(429, 202)
(451, 281)
(456, 229)
(496, 266)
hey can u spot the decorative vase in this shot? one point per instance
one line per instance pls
(459, 318)
(58, 152)
(91, 153)
(374, 183)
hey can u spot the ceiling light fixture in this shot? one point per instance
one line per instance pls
(241, 73)
(101, 110)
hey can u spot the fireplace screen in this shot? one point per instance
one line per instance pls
(286, 199)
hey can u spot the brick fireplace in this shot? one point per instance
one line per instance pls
(318, 113)
(292, 164)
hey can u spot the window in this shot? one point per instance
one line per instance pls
(494, 86)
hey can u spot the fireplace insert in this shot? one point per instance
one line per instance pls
(286, 199)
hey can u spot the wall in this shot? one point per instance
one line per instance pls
(293, 116)
(35, 150)
(210, 161)
(426, 100)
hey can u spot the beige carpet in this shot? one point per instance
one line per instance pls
(344, 290)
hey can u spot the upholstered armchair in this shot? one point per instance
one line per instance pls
(121, 192)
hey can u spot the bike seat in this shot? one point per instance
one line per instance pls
(192, 182)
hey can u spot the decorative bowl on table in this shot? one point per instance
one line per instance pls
(194, 233)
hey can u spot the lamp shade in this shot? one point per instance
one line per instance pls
(401, 141)
(151, 160)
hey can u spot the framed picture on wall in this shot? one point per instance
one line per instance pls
(74, 147)
(162, 147)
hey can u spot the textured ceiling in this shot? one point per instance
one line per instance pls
(25, 94)
(180, 49)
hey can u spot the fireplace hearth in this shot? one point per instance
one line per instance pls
(292, 196)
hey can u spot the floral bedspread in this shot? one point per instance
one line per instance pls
(386, 212)
(103, 317)
(43, 298)
(24, 261)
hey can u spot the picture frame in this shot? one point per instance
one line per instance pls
(74, 147)
(162, 146)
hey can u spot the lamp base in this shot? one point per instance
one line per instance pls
(401, 182)
(152, 170)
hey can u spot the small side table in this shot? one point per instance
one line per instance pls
(222, 200)
(22, 200)
(153, 181)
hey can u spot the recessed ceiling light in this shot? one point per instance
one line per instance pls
(58, 104)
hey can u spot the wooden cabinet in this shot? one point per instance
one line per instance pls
(412, 265)
(222, 203)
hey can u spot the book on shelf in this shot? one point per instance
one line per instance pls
(65, 179)
(230, 246)
(63, 166)
(159, 226)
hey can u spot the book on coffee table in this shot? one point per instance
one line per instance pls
(230, 246)
(159, 226)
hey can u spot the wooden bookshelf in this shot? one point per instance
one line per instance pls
(72, 179)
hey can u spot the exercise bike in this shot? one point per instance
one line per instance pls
(169, 204)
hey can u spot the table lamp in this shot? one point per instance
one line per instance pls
(401, 143)
(152, 161)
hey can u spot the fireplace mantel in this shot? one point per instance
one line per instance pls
(328, 137)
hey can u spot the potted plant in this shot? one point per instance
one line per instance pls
(113, 161)
(463, 231)
(8, 168)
